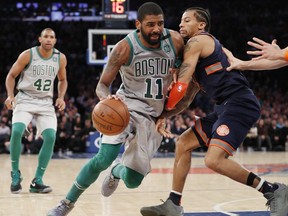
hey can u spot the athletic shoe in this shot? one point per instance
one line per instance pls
(168, 208)
(63, 208)
(16, 187)
(39, 188)
(278, 200)
(110, 183)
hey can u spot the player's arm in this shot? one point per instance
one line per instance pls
(256, 65)
(62, 83)
(191, 55)
(22, 61)
(118, 57)
(193, 88)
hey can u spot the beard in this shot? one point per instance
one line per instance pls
(147, 37)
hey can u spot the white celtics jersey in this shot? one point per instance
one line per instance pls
(146, 77)
(37, 79)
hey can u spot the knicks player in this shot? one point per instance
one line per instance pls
(223, 130)
(143, 59)
(38, 68)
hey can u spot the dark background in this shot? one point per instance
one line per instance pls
(233, 23)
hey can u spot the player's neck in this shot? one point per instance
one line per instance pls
(45, 53)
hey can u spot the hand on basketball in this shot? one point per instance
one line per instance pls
(9, 102)
(116, 97)
(60, 104)
(161, 128)
(264, 49)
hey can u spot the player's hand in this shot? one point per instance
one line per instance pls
(235, 63)
(175, 72)
(116, 97)
(9, 102)
(60, 104)
(264, 49)
(161, 128)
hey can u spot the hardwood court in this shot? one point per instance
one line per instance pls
(206, 193)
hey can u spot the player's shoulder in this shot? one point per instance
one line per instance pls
(25, 55)
(174, 34)
(177, 39)
(122, 45)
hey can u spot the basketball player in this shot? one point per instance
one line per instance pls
(143, 59)
(38, 68)
(270, 57)
(222, 131)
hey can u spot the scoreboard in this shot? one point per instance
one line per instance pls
(114, 10)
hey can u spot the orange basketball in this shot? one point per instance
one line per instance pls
(110, 116)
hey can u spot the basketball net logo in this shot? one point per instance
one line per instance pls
(223, 130)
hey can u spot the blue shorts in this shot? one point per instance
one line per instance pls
(230, 122)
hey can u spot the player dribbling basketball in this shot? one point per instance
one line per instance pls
(143, 58)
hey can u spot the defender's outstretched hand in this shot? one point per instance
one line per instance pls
(265, 50)
(234, 62)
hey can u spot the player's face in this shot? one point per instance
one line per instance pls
(47, 39)
(189, 25)
(151, 29)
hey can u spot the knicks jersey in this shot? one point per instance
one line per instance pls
(146, 77)
(37, 79)
(213, 77)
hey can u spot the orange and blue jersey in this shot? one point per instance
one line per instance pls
(236, 109)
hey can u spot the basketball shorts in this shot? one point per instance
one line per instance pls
(141, 142)
(229, 124)
(42, 110)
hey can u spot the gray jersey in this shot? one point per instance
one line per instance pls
(37, 79)
(146, 77)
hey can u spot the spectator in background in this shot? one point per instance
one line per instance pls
(277, 137)
(29, 138)
(263, 135)
(251, 138)
(79, 138)
(5, 132)
(178, 126)
(63, 135)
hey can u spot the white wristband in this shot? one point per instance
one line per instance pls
(260, 184)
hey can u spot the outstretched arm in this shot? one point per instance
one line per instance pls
(254, 64)
(267, 51)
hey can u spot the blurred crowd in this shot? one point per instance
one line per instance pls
(233, 22)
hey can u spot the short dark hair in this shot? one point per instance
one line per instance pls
(202, 15)
(149, 8)
(47, 29)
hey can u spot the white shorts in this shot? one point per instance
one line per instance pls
(42, 110)
(141, 142)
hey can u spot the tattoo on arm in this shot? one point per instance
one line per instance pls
(183, 69)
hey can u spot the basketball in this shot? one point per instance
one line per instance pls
(110, 116)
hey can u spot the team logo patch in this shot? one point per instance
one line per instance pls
(167, 48)
(223, 130)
